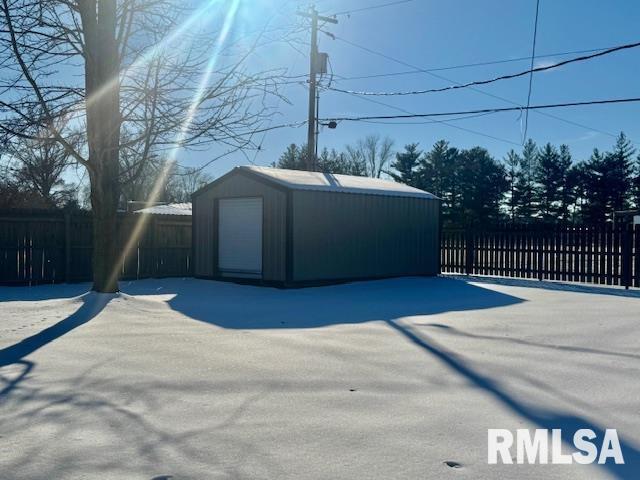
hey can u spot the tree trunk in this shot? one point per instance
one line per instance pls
(105, 251)
(102, 87)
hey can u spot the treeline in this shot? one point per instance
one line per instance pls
(368, 157)
(34, 173)
(542, 184)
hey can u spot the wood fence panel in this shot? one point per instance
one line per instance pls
(601, 254)
(52, 246)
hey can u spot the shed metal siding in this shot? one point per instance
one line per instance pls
(347, 236)
(205, 226)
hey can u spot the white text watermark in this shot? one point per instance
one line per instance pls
(545, 446)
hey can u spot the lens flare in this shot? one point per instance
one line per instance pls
(203, 14)
(141, 222)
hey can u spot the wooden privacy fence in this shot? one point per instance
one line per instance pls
(603, 254)
(52, 246)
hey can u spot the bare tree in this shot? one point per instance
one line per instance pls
(172, 183)
(372, 153)
(37, 166)
(143, 77)
(182, 184)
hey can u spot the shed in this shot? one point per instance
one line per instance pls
(296, 228)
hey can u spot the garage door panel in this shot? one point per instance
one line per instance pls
(240, 235)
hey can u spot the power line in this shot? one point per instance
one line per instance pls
(432, 121)
(529, 72)
(533, 55)
(441, 77)
(469, 65)
(455, 119)
(487, 110)
(372, 7)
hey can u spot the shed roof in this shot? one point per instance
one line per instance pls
(169, 209)
(329, 182)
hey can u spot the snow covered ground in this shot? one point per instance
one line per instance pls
(194, 379)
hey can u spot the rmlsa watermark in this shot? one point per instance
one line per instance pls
(545, 446)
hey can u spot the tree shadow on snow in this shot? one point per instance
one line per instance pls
(233, 306)
(36, 293)
(92, 304)
(539, 416)
(242, 307)
(550, 285)
(528, 343)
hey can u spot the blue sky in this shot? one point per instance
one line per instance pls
(437, 34)
(434, 34)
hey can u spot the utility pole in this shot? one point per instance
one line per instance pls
(315, 67)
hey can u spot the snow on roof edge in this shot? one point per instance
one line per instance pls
(180, 209)
(393, 189)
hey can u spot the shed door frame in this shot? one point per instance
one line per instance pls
(254, 267)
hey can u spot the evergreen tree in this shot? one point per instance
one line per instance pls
(553, 185)
(607, 181)
(524, 191)
(438, 173)
(512, 169)
(293, 158)
(547, 179)
(329, 161)
(567, 195)
(483, 184)
(620, 173)
(593, 190)
(406, 164)
(636, 184)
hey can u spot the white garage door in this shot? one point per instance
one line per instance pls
(240, 236)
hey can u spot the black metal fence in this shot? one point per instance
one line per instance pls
(605, 254)
(52, 246)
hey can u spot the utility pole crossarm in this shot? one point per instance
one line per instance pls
(319, 17)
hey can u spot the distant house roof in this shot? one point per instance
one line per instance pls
(329, 182)
(168, 209)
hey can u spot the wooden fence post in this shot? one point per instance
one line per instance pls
(469, 251)
(627, 255)
(67, 247)
(154, 245)
(540, 253)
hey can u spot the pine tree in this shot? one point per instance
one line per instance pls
(329, 161)
(607, 181)
(406, 164)
(567, 185)
(620, 173)
(293, 158)
(438, 173)
(553, 187)
(524, 192)
(483, 184)
(512, 168)
(636, 184)
(593, 188)
(547, 180)
(437, 170)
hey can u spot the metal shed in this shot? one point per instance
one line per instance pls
(295, 228)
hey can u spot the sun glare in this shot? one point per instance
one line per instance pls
(136, 232)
